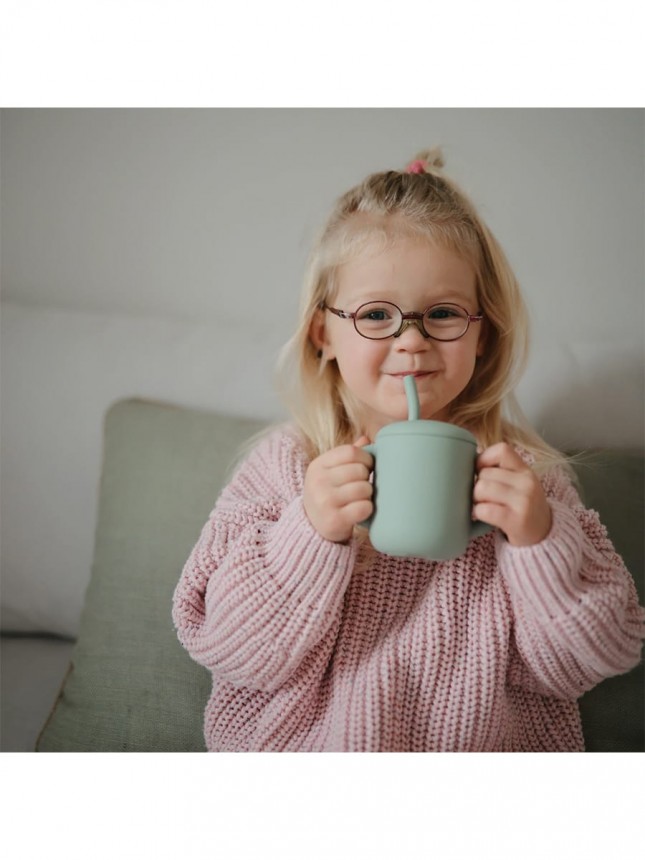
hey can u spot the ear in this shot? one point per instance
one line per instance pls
(318, 334)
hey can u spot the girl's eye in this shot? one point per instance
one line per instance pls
(443, 313)
(375, 315)
(377, 319)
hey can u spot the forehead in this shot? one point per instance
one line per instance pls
(406, 266)
(366, 233)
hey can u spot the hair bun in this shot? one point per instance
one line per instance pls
(426, 161)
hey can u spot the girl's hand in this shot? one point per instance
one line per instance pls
(508, 495)
(337, 493)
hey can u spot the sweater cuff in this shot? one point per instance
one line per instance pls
(546, 575)
(312, 569)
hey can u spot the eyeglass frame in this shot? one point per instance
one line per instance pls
(407, 319)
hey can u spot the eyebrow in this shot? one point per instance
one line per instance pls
(448, 297)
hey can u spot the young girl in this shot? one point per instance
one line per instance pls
(315, 640)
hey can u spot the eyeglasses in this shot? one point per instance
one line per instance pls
(378, 320)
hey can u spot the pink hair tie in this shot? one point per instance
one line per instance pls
(417, 166)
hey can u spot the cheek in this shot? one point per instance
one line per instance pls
(342, 339)
(360, 358)
(460, 360)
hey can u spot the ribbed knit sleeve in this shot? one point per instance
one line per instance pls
(576, 613)
(261, 587)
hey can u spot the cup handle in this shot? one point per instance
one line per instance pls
(371, 449)
(478, 528)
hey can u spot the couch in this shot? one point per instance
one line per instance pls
(125, 683)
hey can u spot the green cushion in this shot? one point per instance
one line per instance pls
(131, 685)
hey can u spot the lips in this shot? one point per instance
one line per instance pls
(416, 373)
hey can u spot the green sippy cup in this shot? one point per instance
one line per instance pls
(423, 485)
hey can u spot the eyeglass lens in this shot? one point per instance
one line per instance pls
(377, 320)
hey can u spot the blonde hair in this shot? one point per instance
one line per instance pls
(382, 209)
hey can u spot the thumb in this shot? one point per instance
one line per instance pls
(362, 440)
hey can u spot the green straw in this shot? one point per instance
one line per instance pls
(413, 397)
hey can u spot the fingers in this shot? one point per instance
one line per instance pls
(501, 492)
(348, 473)
(507, 494)
(494, 482)
(346, 464)
(501, 455)
(354, 491)
(337, 492)
(503, 477)
(344, 454)
(357, 512)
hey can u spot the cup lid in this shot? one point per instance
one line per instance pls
(423, 427)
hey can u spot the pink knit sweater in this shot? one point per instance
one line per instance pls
(314, 645)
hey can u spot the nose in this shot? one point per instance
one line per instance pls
(413, 321)
(412, 337)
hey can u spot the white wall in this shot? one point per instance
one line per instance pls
(159, 253)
